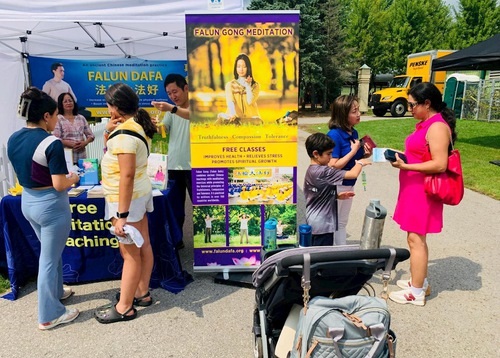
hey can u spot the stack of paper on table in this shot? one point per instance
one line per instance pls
(96, 192)
(76, 191)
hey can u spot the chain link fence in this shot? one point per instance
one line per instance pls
(481, 100)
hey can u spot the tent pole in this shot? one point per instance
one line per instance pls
(24, 59)
(492, 92)
(464, 99)
(114, 42)
(97, 43)
(479, 94)
(26, 72)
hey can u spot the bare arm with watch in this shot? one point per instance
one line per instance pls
(167, 107)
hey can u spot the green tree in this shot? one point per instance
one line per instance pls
(217, 212)
(286, 213)
(339, 36)
(366, 28)
(323, 59)
(476, 21)
(415, 27)
(313, 52)
(339, 66)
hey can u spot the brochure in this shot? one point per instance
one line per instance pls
(157, 170)
(90, 171)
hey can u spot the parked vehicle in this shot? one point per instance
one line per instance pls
(418, 69)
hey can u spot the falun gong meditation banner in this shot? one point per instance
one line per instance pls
(243, 80)
(89, 79)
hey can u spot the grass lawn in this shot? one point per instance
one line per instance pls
(218, 240)
(4, 283)
(478, 142)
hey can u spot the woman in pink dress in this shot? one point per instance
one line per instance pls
(415, 212)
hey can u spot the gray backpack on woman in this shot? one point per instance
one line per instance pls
(351, 326)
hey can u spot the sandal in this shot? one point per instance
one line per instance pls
(140, 301)
(109, 314)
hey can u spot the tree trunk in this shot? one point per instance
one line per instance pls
(313, 98)
(221, 74)
(285, 79)
(210, 69)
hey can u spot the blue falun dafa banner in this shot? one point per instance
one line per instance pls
(89, 79)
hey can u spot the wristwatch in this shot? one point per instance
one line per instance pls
(174, 110)
(122, 215)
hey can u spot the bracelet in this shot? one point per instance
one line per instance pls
(122, 215)
(360, 163)
(106, 131)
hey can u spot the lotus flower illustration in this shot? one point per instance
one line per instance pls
(246, 261)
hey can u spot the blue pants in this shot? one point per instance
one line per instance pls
(49, 214)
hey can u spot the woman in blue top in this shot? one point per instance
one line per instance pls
(348, 149)
(40, 166)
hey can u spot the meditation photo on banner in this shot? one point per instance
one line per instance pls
(243, 126)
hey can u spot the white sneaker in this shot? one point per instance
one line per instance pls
(406, 296)
(67, 293)
(68, 316)
(404, 284)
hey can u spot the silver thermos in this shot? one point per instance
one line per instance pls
(373, 225)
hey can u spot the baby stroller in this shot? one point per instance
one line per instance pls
(335, 272)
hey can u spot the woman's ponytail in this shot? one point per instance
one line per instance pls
(449, 116)
(144, 119)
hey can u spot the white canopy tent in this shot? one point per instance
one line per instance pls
(146, 29)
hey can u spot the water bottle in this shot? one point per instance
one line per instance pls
(305, 235)
(373, 225)
(270, 234)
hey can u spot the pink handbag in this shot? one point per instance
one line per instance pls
(447, 187)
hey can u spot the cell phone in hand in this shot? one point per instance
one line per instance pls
(390, 155)
(368, 140)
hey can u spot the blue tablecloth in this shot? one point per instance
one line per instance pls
(91, 252)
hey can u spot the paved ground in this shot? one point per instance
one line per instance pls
(213, 320)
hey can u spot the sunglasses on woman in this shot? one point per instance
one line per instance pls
(412, 105)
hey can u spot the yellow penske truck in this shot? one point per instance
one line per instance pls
(394, 99)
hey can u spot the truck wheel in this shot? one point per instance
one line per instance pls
(379, 112)
(398, 108)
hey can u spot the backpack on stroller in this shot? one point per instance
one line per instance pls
(287, 279)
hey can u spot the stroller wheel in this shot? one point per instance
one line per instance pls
(257, 348)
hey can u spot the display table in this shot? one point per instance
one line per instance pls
(91, 252)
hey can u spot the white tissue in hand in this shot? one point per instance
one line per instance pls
(133, 236)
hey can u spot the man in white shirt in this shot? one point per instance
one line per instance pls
(56, 86)
(244, 228)
(176, 122)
